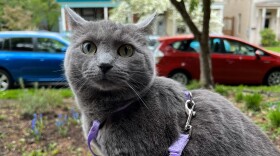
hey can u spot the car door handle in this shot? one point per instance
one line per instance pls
(266, 62)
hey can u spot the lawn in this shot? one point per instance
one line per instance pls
(275, 49)
(43, 122)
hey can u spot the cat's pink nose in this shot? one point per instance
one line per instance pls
(105, 67)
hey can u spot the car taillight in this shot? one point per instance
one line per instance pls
(158, 55)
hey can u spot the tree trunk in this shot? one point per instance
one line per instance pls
(206, 79)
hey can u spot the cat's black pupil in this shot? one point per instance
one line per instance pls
(126, 50)
(88, 47)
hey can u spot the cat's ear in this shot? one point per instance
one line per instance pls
(74, 19)
(147, 24)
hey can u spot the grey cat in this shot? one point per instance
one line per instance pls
(112, 75)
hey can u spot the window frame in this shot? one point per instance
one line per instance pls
(239, 44)
(50, 38)
(16, 37)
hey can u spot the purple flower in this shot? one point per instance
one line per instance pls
(33, 122)
(60, 121)
(75, 115)
(65, 117)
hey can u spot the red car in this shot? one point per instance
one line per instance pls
(233, 61)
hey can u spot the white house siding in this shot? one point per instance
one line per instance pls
(253, 15)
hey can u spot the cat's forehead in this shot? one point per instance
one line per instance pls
(109, 30)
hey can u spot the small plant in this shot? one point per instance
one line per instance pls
(40, 100)
(193, 85)
(37, 126)
(75, 117)
(268, 38)
(62, 124)
(253, 102)
(239, 97)
(274, 116)
(221, 90)
(2, 117)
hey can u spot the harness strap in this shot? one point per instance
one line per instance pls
(92, 135)
(178, 146)
(175, 149)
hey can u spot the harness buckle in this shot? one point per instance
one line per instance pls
(189, 106)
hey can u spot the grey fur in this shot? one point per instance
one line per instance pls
(156, 116)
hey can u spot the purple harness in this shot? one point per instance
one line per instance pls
(176, 148)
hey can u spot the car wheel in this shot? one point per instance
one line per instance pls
(273, 78)
(180, 77)
(5, 80)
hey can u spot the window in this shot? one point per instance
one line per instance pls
(194, 46)
(215, 45)
(238, 48)
(21, 44)
(6, 45)
(180, 45)
(50, 45)
(1, 43)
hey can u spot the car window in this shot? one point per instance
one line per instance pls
(1, 43)
(194, 46)
(215, 45)
(238, 48)
(50, 45)
(180, 45)
(6, 44)
(22, 44)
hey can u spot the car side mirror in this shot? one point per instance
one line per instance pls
(258, 54)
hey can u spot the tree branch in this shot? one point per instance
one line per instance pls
(180, 6)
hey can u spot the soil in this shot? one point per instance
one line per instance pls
(16, 139)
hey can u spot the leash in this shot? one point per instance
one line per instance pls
(176, 148)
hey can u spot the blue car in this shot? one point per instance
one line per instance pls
(32, 57)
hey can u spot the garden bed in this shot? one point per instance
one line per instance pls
(59, 132)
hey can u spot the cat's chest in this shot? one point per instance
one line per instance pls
(139, 133)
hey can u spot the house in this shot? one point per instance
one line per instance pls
(246, 18)
(88, 9)
(165, 25)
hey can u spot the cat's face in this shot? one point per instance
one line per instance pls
(108, 56)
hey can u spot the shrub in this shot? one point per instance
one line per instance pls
(39, 101)
(253, 102)
(194, 84)
(274, 117)
(221, 90)
(239, 97)
(268, 38)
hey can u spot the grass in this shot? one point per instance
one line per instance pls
(275, 49)
(39, 101)
(274, 116)
(17, 93)
(253, 102)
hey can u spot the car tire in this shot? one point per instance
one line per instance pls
(180, 77)
(5, 80)
(273, 78)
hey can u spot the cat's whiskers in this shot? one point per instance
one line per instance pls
(137, 95)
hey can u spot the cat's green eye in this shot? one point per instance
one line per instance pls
(88, 48)
(126, 50)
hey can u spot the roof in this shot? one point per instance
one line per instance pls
(29, 33)
(54, 35)
(270, 3)
(191, 36)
